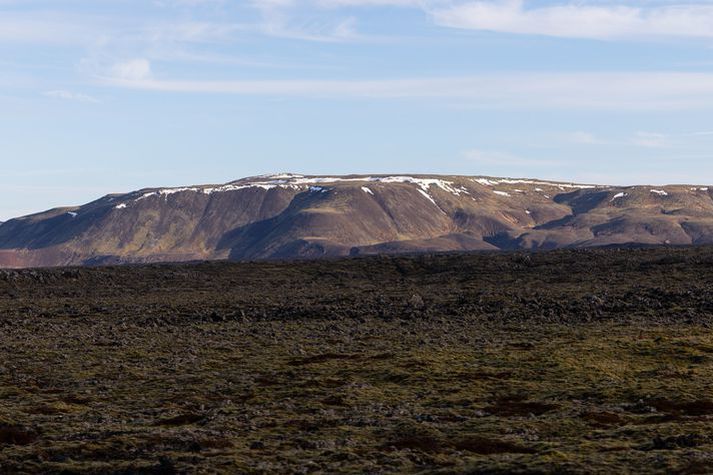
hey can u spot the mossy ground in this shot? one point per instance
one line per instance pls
(94, 380)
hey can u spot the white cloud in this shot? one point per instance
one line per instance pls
(660, 140)
(307, 20)
(650, 140)
(580, 19)
(641, 139)
(133, 70)
(272, 4)
(186, 32)
(584, 138)
(187, 3)
(369, 3)
(604, 91)
(326, 32)
(71, 96)
(49, 28)
(282, 19)
(93, 31)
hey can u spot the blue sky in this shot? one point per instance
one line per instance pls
(114, 95)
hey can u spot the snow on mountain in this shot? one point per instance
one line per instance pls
(290, 215)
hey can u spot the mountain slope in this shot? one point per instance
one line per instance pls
(295, 216)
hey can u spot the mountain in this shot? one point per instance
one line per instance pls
(295, 216)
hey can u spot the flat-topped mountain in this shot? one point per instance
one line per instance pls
(294, 216)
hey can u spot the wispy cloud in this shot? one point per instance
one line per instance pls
(581, 19)
(286, 19)
(187, 31)
(187, 3)
(638, 139)
(318, 31)
(328, 20)
(650, 140)
(605, 91)
(55, 28)
(371, 3)
(71, 96)
(132, 70)
(667, 140)
(705, 133)
(584, 138)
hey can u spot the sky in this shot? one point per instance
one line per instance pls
(104, 96)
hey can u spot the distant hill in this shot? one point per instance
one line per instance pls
(294, 216)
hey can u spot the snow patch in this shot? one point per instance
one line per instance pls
(72, 214)
(485, 181)
(120, 206)
(501, 193)
(284, 176)
(300, 182)
(423, 183)
(659, 192)
(297, 182)
(619, 195)
(209, 190)
(166, 192)
(509, 181)
(367, 190)
(235, 187)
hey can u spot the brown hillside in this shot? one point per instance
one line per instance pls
(295, 216)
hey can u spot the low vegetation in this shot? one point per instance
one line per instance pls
(568, 361)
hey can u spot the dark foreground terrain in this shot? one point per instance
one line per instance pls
(568, 361)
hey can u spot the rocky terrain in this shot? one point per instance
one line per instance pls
(294, 216)
(569, 361)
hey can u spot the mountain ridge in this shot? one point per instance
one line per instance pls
(290, 215)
